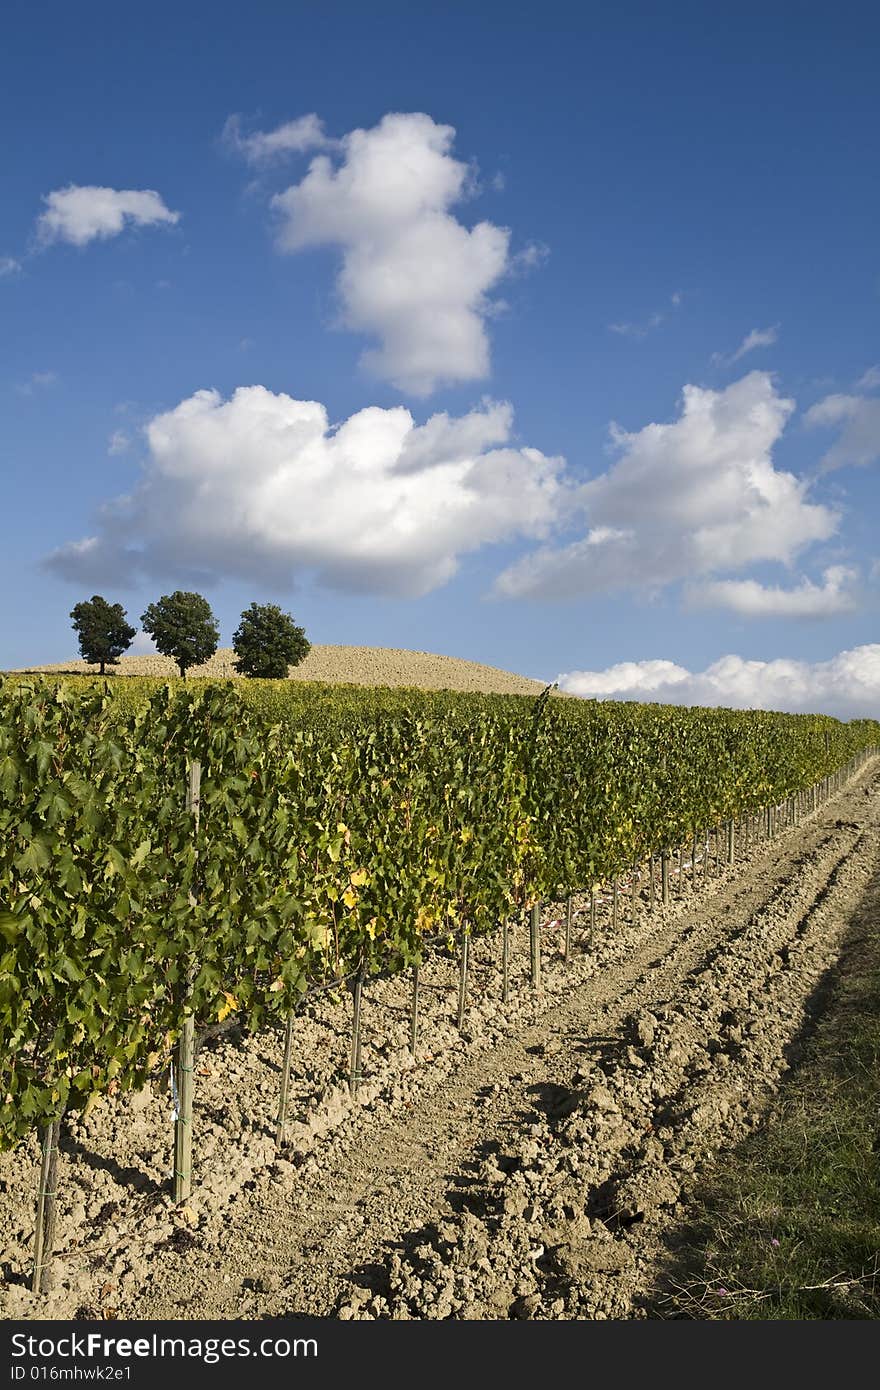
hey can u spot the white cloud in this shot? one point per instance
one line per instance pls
(118, 443)
(750, 599)
(870, 381)
(641, 330)
(847, 686)
(412, 275)
(9, 266)
(80, 214)
(292, 137)
(636, 330)
(261, 486)
(142, 644)
(696, 497)
(758, 338)
(37, 381)
(859, 418)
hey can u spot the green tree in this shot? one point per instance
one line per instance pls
(102, 631)
(183, 627)
(267, 641)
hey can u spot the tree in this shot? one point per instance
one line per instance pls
(267, 641)
(183, 627)
(102, 630)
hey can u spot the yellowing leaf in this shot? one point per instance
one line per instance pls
(349, 897)
(229, 1006)
(359, 878)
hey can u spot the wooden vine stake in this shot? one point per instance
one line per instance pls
(354, 1075)
(652, 895)
(730, 842)
(186, 1043)
(634, 893)
(568, 911)
(463, 976)
(664, 878)
(414, 1011)
(44, 1234)
(614, 895)
(505, 961)
(535, 943)
(285, 1079)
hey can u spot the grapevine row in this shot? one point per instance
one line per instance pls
(336, 833)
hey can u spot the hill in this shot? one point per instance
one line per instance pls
(388, 666)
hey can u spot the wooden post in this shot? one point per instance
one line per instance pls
(463, 977)
(592, 914)
(354, 1075)
(505, 961)
(730, 842)
(680, 884)
(614, 904)
(634, 895)
(568, 911)
(186, 1042)
(694, 863)
(285, 1079)
(664, 878)
(652, 895)
(44, 1232)
(414, 1012)
(535, 941)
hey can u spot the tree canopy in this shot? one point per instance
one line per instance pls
(102, 631)
(267, 641)
(183, 627)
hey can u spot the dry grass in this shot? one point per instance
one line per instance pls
(387, 666)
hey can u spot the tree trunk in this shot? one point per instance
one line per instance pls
(102, 668)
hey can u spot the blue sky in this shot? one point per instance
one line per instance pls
(622, 271)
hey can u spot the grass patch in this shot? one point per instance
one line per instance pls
(787, 1226)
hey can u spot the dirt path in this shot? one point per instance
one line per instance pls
(529, 1173)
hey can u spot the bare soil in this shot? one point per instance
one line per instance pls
(524, 1168)
(386, 666)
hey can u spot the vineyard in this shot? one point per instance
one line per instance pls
(176, 860)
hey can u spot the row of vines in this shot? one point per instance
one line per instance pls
(328, 835)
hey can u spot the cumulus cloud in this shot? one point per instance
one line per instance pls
(749, 599)
(858, 417)
(261, 486)
(757, 338)
(847, 686)
(79, 214)
(696, 497)
(412, 275)
(292, 137)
